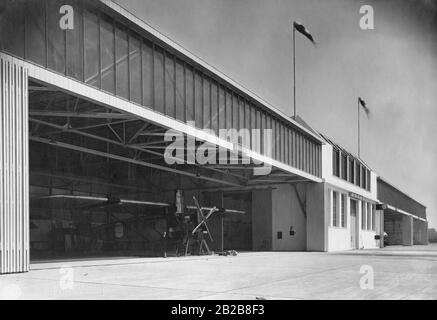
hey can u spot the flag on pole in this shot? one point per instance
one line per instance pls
(299, 27)
(364, 105)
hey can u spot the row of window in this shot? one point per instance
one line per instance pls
(340, 213)
(350, 169)
(108, 55)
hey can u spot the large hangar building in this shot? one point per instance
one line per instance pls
(88, 92)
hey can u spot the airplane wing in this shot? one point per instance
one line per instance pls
(91, 201)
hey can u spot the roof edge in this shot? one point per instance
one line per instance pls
(404, 193)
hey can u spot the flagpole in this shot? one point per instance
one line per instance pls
(294, 70)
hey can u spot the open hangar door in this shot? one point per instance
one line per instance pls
(81, 202)
(99, 185)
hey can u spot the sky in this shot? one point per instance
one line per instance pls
(393, 68)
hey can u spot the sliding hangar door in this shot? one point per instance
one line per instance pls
(85, 108)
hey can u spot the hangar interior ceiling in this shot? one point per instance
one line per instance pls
(85, 157)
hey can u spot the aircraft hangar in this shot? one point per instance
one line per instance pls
(86, 106)
(116, 141)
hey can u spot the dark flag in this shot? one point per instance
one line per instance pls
(364, 105)
(299, 27)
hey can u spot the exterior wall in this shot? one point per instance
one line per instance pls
(262, 220)
(405, 221)
(339, 237)
(407, 231)
(286, 214)
(317, 217)
(390, 195)
(420, 235)
(367, 239)
(393, 228)
(14, 168)
(274, 211)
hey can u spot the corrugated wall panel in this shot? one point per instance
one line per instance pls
(14, 168)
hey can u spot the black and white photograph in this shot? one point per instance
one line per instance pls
(237, 151)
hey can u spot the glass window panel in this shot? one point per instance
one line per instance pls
(229, 114)
(198, 90)
(55, 37)
(343, 210)
(235, 112)
(170, 86)
(74, 40)
(121, 62)
(334, 208)
(241, 117)
(253, 118)
(278, 140)
(189, 88)
(257, 124)
(134, 68)
(369, 216)
(247, 116)
(351, 170)
(368, 180)
(206, 103)
(300, 152)
(107, 49)
(12, 27)
(268, 147)
(363, 215)
(159, 79)
(310, 157)
(258, 118)
(286, 146)
(147, 63)
(281, 142)
(293, 149)
(275, 141)
(263, 125)
(305, 154)
(335, 162)
(344, 166)
(91, 43)
(358, 174)
(214, 107)
(35, 32)
(222, 109)
(180, 91)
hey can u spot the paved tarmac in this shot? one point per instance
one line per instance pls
(390, 273)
